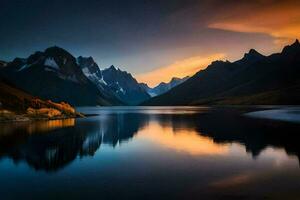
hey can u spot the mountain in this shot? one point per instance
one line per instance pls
(54, 74)
(113, 81)
(250, 58)
(93, 72)
(254, 79)
(124, 86)
(163, 87)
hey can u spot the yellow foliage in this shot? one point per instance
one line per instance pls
(44, 112)
(65, 107)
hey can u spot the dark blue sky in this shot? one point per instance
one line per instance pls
(104, 29)
(136, 35)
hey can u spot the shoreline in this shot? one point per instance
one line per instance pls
(20, 118)
(271, 112)
(12, 118)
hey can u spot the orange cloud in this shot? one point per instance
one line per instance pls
(181, 68)
(280, 20)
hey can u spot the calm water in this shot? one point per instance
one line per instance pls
(151, 153)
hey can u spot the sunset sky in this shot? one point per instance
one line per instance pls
(153, 40)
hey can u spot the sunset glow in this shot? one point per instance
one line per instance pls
(187, 141)
(281, 21)
(180, 69)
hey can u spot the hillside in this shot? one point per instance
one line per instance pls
(17, 104)
(254, 79)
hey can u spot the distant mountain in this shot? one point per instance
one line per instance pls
(124, 86)
(254, 79)
(54, 74)
(163, 87)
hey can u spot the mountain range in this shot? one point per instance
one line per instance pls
(57, 75)
(54, 74)
(254, 79)
(163, 87)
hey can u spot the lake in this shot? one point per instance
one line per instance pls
(151, 153)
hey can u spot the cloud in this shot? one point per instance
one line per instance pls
(279, 19)
(180, 68)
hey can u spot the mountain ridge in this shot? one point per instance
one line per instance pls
(114, 81)
(223, 81)
(57, 75)
(43, 73)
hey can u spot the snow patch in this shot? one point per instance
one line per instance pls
(51, 63)
(122, 90)
(86, 72)
(152, 94)
(103, 81)
(25, 66)
(93, 76)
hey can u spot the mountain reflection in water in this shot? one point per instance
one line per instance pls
(195, 131)
(185, 140)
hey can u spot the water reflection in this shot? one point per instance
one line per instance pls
(65, 139)
(197, 132)
(185, 140)
(44, 126)
(34, 127)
